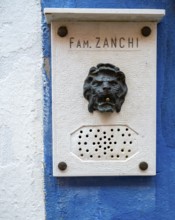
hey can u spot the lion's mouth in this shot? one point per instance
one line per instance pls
(106, 100)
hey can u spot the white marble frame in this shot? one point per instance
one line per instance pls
(61, 151)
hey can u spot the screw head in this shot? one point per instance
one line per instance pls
(62, 166)
(146, 31)
(62, 31)
(143, 166)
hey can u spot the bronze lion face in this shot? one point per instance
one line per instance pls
(105, 88)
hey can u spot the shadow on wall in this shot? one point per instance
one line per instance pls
(134, 181)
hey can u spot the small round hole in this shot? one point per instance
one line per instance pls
(126, 129)
(80, 149)
(100, 139)
(90, 130)
(124, 142)
(130, 142)
(104, 152)
(87, 135)
(98, 142)
(95, 136)
(99, 146)
(104, 148)
(104, 132)
(108, 147)
(104, 137)
(79, 143)
(91, 156)
(80, 136)
(93, 143)
(87, 150)
(98, 130)
(110, 142)
(104, 142)
(122, 150)
(81, 131)
(129, 150)
(112, 136)
(118, 156)
(81, 155)
(85, 143)
(111, 149)
(109, 139)
(126, 156)
(129, 134)
(96, 149)
(123, 135)
(118, 129)
(112, 156)
(115, 142)
(112, 129)
(99, 156)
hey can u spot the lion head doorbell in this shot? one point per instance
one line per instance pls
(105, 88)
(104, 91)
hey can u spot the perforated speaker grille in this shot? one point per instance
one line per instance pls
(104, 142)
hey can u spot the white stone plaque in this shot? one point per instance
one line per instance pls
(108, 143)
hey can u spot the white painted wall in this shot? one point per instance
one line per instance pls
(21, 129)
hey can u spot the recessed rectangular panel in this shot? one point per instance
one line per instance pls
(104, 143)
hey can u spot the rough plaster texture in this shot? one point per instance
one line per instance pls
(21, 133)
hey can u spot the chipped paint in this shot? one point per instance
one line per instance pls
(21, 98)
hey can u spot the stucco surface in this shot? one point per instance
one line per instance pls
(21, 133)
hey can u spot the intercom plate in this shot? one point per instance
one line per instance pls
(103, 144)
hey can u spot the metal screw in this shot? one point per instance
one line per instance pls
(62, 166)
(143, 166)
(146, 31)
(62, 31)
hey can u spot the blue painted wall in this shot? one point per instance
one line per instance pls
(119, 198)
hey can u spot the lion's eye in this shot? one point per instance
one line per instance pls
(96, 83)
(113, 83)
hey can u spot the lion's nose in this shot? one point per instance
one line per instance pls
(106, 87)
